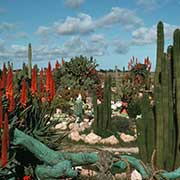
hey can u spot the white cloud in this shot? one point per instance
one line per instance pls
(74, 3)
(97, 38)
(146, 35)
(4, 27)
(121, 46)
(83, 23)
(42, 30)
(22, 35)
(75, 46)
(125, 17)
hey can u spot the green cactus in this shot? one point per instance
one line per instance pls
(176, 56)
(29, 60)
(102, 111)
(78, 108)
(167, 102)
(158, 99)
(146, 129)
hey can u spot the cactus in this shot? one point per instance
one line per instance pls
(167, 102)
(146, 129)
(29, 60)
(102, 111)
(158, 99)
(176, 56)
(78, 109)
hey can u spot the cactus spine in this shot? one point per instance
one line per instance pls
(29, 61)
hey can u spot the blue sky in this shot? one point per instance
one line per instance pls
(112, 31)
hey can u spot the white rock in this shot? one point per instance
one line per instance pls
(135, 175)
(139, 116)
(74, 135)
(118, 104)
(92, 138)
(113, 107)
(127, 138)
(61, 126)
(84, 125)
(110, 140)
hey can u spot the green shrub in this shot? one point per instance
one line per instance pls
(134, 108)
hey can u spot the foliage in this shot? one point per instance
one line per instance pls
(120, 124)
(134, 108)
(79, 73)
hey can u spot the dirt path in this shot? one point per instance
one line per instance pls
(90, 148)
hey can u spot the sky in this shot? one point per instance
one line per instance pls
(112, 31)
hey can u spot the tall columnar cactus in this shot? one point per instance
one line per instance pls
(146, 129)
(176, 56)
(102, 111)
(167, 102)
(158, 99)
(29, 60)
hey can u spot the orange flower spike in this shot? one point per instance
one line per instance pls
(1, 110)
(41, 82)
(23, 99)
(57, 65)
(11, 104)
(9, 84)
(34, 81)
(48, 74)
(5, 142)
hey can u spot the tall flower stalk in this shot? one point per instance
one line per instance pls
(23, 98)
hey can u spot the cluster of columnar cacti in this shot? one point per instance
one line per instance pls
(102, 111)
(167, 101)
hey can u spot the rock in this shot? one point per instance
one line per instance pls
(84, 125)
(83, 136)
(74, 126)
(135, 175)
(110, 140)
(92, 138)
(86, 120)
(120, 176)
(58, 111)
(88, 172)
(61, 126)
(74, 135)
(114, 107)
(127, 138)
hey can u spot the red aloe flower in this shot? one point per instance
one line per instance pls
(5, 142)
(34, 81)
(9, 84)
(9, 90)
(52, 88)
(23, 98)
(41, 83)
(1, 109)
(57, 65)
(48, 77)
(11, 104)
